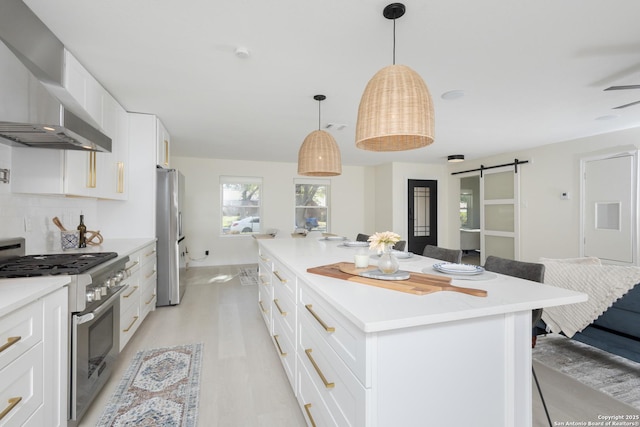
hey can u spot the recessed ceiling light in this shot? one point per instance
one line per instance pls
(453, 94)
(455, 158)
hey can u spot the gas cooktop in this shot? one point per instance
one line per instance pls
(52, 264)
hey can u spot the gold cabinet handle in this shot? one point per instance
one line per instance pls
(135, 319)
(13, 401)
(264, 259)
(150, 274)
(91, 176)
(153, 252)
(280, 277)
(135, 288)
(120, 185)
(284, 313)
(263, 281)
(307, 409)
(10, 341)
(166, 152)
(282, 353)
(315, 315)
(262, 307)
(131, 266)
(327, 384)
(149, 302)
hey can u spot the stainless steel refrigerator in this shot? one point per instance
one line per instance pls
(171, 240)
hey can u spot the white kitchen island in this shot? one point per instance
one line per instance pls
(358, 355)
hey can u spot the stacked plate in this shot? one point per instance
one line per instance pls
(458, 269)
(356, 244)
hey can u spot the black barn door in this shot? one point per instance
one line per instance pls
(423, 214)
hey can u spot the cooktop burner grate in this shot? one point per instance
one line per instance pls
(54, 264)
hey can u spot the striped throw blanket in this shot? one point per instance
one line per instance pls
(604, 284)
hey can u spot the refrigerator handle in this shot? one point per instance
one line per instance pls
(180, 224)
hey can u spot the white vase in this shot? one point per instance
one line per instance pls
(388, 263)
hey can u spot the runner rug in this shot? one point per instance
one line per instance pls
(248, 275)
(160, 388)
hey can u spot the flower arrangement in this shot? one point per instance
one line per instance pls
(379, 241)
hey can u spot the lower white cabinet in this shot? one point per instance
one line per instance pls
(139, 299)
(33, 363)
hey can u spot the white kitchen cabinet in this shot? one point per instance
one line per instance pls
(163, 145)
(33, 362)
(265, 288)
(73, 172)
(138, 300)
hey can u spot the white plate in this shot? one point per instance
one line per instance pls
(400, 254)
(356, 244)
(462, 269)
(334, 238)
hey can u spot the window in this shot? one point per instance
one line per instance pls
(312, 204)
(240, 205)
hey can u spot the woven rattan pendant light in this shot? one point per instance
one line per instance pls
(396, 110)
(319, 154)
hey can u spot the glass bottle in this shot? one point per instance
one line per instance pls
(82, 241)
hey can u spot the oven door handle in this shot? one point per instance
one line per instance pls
(79, 320)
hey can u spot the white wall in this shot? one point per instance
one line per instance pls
(30, 216)
(350, 209)
(550, 227)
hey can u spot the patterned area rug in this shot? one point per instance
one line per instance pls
(248, 275)
(611, 374)
(160, 388)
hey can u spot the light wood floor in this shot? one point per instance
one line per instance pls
(243, 384)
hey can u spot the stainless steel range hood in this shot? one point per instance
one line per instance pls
(31, 81)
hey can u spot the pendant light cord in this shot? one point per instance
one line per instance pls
(319, 114)
(394, 42)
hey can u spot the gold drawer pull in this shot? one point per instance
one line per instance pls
(10, 341)
(284, 313)
(263, 281)
(324, 325)
(307, 410)
(262, 307)
(153, 251)
(282, 353)
(131, 266)
(13, 401)
(279, 277)
(264, 259)
(150, 274)
(149, 302)
(135, 288)
(317, 368)
(135, 319)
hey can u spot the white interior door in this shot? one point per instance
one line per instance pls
(609, 208)
(500, 213)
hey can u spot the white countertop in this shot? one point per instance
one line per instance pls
(375, 309)
(15, 293)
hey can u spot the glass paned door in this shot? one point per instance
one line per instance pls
(499, 189)
(423, 214)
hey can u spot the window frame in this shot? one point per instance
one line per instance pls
(327, 207)
(241, 180)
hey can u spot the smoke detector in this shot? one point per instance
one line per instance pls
(242, 52)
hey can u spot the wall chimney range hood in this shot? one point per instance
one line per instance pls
(31, 114)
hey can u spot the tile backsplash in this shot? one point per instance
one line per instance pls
(30, 216)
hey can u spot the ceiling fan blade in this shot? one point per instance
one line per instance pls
(627, 105)
(623, 87)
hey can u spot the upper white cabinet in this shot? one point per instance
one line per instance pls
(163, 145)
(79, 173)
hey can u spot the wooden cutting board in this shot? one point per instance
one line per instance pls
(418, 283)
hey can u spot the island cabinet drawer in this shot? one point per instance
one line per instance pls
(264, 304)
(284, 279)
(349, 343)
(286, 350)
(265, 260)
(22, 389)
(129, 322)
(343, 394)
(130, 296)
(19, 331)
(315, 410)
(283, 308)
